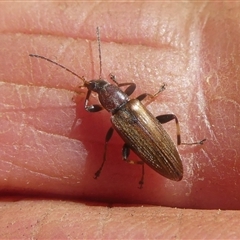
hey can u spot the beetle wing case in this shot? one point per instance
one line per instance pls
(143, 133)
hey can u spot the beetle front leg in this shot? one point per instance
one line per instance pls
(168, 117)
(125, 155)
(107, 139)
(91, 108)
(129, 90)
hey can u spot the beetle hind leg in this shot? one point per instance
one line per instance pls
(168, 117)
(125, 155)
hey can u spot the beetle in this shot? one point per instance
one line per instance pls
(140, 130)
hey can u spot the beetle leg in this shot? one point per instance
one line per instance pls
(168, 117)
(91, 108)
(107, 138)
(125, 155)
(129, 90)
(152, 97)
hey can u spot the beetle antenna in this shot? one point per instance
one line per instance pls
(99, 53)
(59, 65)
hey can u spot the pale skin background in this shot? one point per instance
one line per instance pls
(51, 148)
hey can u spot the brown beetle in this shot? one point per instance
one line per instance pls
(140, 130)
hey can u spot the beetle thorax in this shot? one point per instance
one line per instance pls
(110, 96)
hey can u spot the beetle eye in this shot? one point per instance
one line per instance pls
(91, 85)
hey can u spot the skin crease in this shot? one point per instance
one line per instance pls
(52, 147)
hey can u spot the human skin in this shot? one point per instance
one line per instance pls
(51, 147)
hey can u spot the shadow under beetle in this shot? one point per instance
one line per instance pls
(140, 130)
